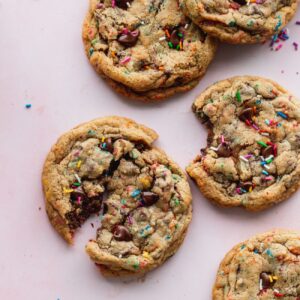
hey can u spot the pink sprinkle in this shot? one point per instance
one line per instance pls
(130, 220)
(238, 190)
(125, 30)
(295, 46)
(113, 3)
(248, 156)
(79, 200)
(268, 178)
(278, 47)
(255, 127)
(100, 5)
(222, 139)
(125, 60)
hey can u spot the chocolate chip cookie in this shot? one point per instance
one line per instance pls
(253, 154)
(240, 21)
(109, 166)
(147, 50)
(265, 267)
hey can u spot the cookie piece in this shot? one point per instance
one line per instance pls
(253, 154)
(240, 21)
(109, 165)
(149, 50)
(265, 267)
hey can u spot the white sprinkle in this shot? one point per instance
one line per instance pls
(266, 167)
(276, 291)
(265, 133)
(162, 38)
(77, 177)
(186, 26)
(244, 159)
(142, 22)
(260, 285)
(120, 255)
(128, 4)
(214, 148)
(261, 158)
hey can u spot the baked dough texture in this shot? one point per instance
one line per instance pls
(146, 50)
(108, 166)
(240, 21)
(253, 152)
(266, 267)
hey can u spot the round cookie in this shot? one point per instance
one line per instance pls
(147, 50)
(109, 166)
(253, 154)
(240, 21)
(265, 267)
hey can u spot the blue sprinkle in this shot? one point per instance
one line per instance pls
(268, 251)
(243, 247)
(282, 115)
(168, 237)
(243, 190)
(279, 125)
(258, 101)
(267, 122)
(256, 251)
(135, 193)
(263, 163)
(28, 106)
(265, 172)
(147, 227)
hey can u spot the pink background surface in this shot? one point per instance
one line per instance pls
(42, 62)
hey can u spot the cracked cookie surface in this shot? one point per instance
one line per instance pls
(265, 267)
(108, 166)
(146, 50)
(240, 21)
(253, 152)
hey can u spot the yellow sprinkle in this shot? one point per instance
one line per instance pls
(271, 278)
(250, 189)
(275, 277)
(68, 191)
(146, 255)
(79, 164)
(103, 139)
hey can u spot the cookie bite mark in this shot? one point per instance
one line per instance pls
(266, 266)
(252, 157)
(109, 166)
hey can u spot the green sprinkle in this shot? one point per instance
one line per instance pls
(180, 34)
(94, 41)
(232, 24)
(123, 201)
(170, 45)
(262, 144)
(77, 184)
(168, 237)
(136, 265)
(238, 96)
(269, 160)
(91, 51)
(91, 132)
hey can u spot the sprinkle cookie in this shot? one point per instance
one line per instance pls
(241, 21)
(147, 50)
(253, 152)
(109, 166)
(266, 267)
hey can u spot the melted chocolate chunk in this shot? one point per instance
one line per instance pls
(121, 233)
(266, 280)
(246, 114)
(267, 151)
(241, 2)
(129, 38)
(149, 198)
(123, 3)
(77, 197)
(114, 164)
(224, 150)
(174, 36)
(107, 145)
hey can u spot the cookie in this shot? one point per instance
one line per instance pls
(147, 49)
(109, 166)
(253, 154)
(265, 267)
(240, 21)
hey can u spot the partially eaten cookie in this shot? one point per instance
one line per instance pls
(253, 152)
(109, 167)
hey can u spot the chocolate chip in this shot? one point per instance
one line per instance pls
(267, 151)
(123, 3)
(246, 114)
(149, 198)
(107, 145)
(266, 282)
(247, 185)
(121, 233)
(224, 150)
(241, 2)
(176, 37)
(129, 38)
